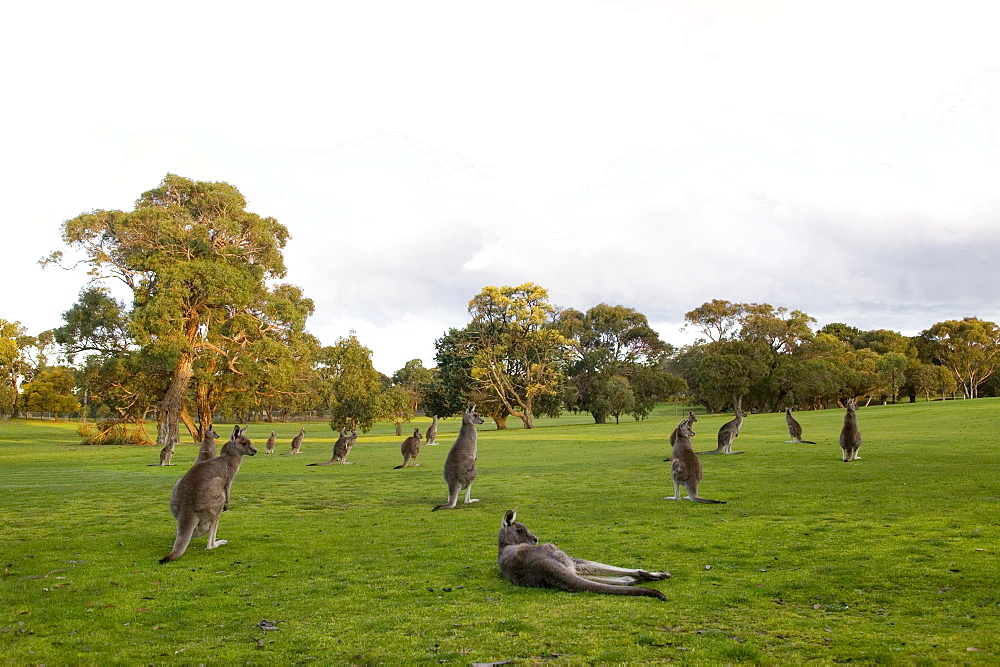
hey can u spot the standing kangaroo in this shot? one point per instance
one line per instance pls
(166, 454)
(340, 448)
(686, 470)
(850, 436)
(524, 562)
(460, 466)
(409, 449)
(269, 445)
(432, 432)
(202, 494)
(690, 419)
(207, 450)
(794, 429)
(297, 442)
(729, 431)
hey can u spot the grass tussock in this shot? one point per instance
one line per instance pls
(894, 558)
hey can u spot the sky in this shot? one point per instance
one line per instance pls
(839, 158)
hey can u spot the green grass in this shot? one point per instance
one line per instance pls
(891, 559)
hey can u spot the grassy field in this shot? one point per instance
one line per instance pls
(890, 559)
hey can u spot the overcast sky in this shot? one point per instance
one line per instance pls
(841, 158)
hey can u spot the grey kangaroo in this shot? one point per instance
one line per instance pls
(432, 432)
(524, 562)
(202, 494)
(850, 436)
(794, 429)
(686, 469)
(409, 449)
(269, 445)
(460, 466)
(207, 450)
(166, 454)
(729, 431)
(341, 448)
(297, 442)
(690, 419)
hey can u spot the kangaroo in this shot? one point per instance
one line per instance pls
(524, 562)
(297, 442)
(460, 466)
(432, 433)
(729, 431)
(850, 436)
(202, 494)
(269, 445)
(207, 450)
(686, 470)
(691, 419)
(794, 429)
(409, 449)
(166, 454)
(340, 444)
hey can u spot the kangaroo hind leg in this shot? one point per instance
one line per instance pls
(185, 531)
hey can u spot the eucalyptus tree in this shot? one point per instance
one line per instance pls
(520, 355)
(51, 390)
(615, 344)
(193, 258)
(969, 348)
(355, 388)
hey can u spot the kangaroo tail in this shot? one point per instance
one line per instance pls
(698, 499)
(581, 584)
(327, 463)
(185, 531)
(807, 442)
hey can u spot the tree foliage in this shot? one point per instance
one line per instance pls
(194, 259)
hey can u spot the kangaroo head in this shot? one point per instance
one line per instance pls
(692, 418)
(273, 434)
(416, 433)
(851, 405)
(684, 429)
(471, 416)
(240, 443)
(210, 433)
(514, 532)
(740, 413)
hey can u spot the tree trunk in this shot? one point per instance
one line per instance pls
(193, 429)
(170, 407)
(600, 418)
(501, 423)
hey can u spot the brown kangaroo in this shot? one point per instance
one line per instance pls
(460, 466)
(729, 431)
(269, 445)
(795, 429)
(850, 436)
(202, 494)
(297, 442)
(341, 448)
(207, 450)
(432, 433)
(166, 454)
(409, 449)
(524, 562)
(690, 419)
(686, 470)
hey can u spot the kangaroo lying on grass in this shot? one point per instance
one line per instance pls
(460, 466)
(729, 431)
(691, 419)
(202, 494)
(207, 450)
(269, 445)
(409, 449)
(686, 470)
(524, 562)
(341, 448)
(795, 429)
(850, 436)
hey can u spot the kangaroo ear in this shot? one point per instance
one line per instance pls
(509, 517)
(236, 431)
(243, 430)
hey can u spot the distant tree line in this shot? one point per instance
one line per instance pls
(206, 332)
